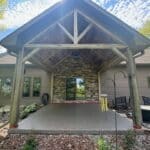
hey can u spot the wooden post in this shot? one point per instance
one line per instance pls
(99, 86)
(17, 86)
(134, 92)
(51, 86)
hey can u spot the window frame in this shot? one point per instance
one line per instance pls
(33, 86)
(3, 82)
(30, 83)
(148, 81)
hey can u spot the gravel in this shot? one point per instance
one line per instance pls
(70, 142)
(49, 142)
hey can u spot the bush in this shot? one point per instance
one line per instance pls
(129, 140)
(23, 114)
(31, 108)
(28, 109)
(102, 144)
(30, 144)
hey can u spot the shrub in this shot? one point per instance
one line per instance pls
(102, 144)
(30, 144)
(23, 114)
(28, 109)
(129, 140)
(31, 108)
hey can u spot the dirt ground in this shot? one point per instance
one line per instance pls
(49, 142)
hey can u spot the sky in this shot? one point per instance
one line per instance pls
(18, 12)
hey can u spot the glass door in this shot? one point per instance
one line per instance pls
(75, 89)
(70, 89)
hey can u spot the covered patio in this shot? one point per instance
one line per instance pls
(73, 119)
(81, 32)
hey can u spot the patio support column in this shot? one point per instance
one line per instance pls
(134, 91)
(99, 86)
(16, 92)
(51, 86)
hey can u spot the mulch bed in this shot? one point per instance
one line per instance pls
(49, 142)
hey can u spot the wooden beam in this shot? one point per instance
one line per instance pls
(100, 27)
(99, 86)
(51, 86)
(84, 32)
(76, 46)
(120, 54)
(134, 91)
(75, 27)
(28, 56)
(38, 63)
(61, 61)
(66, 32)
(107, 64)
(14, 114)
(46, 29)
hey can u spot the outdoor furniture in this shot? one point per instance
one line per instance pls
(121, 103)
(146, 100)
(145, 113)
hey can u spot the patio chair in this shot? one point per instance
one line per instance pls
(121, 103)
(146, 100)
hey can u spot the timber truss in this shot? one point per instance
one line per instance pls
(87, 37)
(75, 34)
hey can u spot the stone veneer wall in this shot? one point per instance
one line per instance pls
(75, 67)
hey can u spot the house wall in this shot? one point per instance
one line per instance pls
(78, 68)
(7, 71)
(75, 67)
(122, 88)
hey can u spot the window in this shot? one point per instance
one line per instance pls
(6, 86)
(148, 82)
(26, 87)
(36, 87)
(75, 89)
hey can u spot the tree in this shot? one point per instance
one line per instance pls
(145, 30)
(3, 5)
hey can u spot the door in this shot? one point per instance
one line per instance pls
(70, 88)
(75, 89)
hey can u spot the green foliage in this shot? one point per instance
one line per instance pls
(129, 140)
(145, 30)
(30, 144)
(3, 4)
(31, 108)
(102, 144)
(27, 110)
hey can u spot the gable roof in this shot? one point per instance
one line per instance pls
(130, 37)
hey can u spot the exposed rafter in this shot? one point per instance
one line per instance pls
(100, 27)
(84, 32)
(49, 27)
(120, 54)
(66, 32)
(28, 56)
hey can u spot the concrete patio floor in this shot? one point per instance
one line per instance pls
(74, 117)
